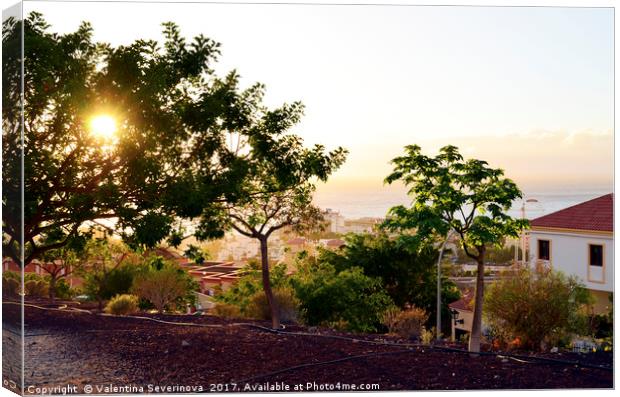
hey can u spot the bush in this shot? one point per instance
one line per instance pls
(536, 307)
(102, 284)
(10, 286)
(427, 336)
(37, 288)
(122, 305)
(406, 323)
(161, 287)
(251, 284)
(226, 310)
(287, 304)
(63, 289)
(349, 298)
(11, 274)
(601, 326)
(407, 270)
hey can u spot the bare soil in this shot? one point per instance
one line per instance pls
(124, 355)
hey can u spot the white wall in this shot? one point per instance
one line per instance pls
(569, 252)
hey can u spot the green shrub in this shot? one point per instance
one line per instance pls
(250, 284)
(349, 297)
(11, 274)
(161, 287)
(427, 336)
(122, 305)
(10, 286)
(33, 277)
(407, 323)
(226, 310)
(102, 284)
(407, 270)
(36, 288)
(63, 289)
(287, 304)
(537, 307)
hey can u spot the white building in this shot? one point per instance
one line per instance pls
(578, 240)
(335, 220)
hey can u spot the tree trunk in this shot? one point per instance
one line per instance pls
(273, 306)
(476, 326)
(52, 287)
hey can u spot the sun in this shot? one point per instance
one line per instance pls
(103, 126)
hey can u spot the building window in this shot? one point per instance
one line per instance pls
(596, 255)
(544, 250)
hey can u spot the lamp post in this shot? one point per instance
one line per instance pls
(523, 256)
(443, 246)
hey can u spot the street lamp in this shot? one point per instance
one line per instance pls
(455, 317)
(532, 200)
(443, 246)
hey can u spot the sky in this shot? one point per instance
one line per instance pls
(530, 90)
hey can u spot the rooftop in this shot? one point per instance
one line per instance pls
(463, 304)
(593, 215)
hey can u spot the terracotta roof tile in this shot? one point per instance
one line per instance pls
(464, 303)
(594, 215)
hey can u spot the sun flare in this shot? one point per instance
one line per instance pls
(103, 126)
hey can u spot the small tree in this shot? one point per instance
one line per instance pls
(450, 193)
(537, 305)
(278, 175)
(161, 287)
(59, 264)
(109, 270)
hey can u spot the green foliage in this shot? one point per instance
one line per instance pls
(122, 305)
(408, 272)
(450, 193)
(347, 299)
(427, 336)
(36, 288)
(106, 284)
(226, 310)
(498, 255)
(12, 275)
(407, 323)
(287, 305)
(196, 254)
(453, 194)
(10, 286)
(601, 326)
(537, 306)
(110, 271)
(163, 96)
(164, 287)
(63, 290)
(250, 284)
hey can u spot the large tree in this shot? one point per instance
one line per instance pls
(158, 96)
(450, 193)
(278, 175)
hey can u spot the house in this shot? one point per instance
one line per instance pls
(335, 221)
(579, 241)
(213, 276)
(37, 267)
(332, 244)
(462, 314)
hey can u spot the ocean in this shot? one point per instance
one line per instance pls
(376, 203)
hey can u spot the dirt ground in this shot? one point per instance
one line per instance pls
(124, 355)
